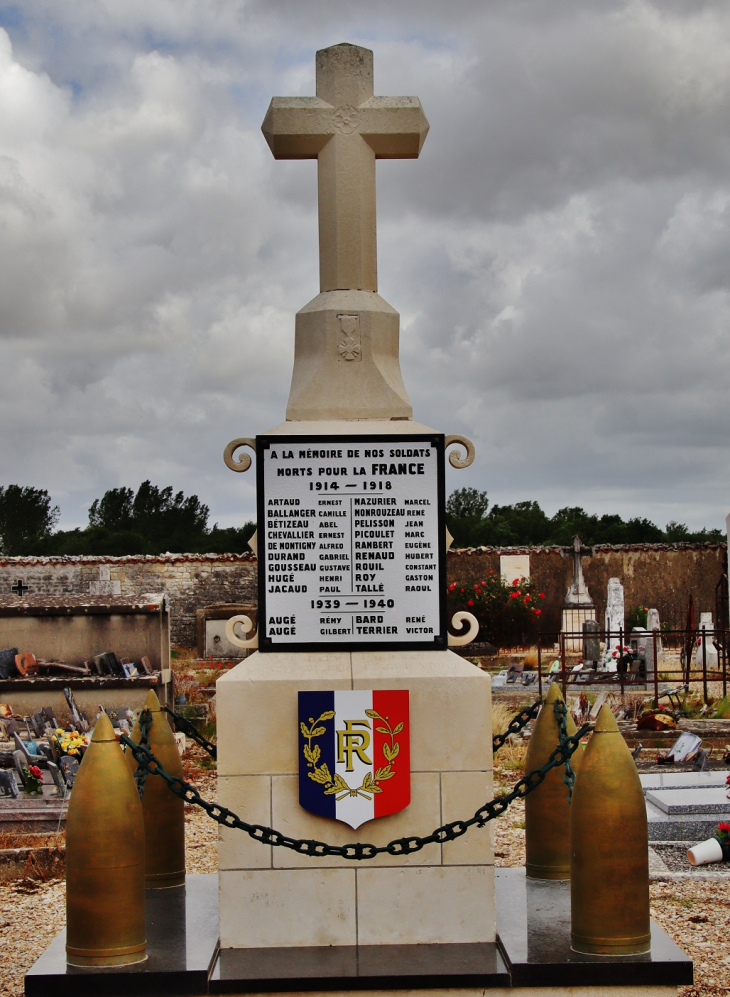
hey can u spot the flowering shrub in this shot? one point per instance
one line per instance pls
(507, 613)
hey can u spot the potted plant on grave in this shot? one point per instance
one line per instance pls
(33, 780)
(715, 849)
(68, 742)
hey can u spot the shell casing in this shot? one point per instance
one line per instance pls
(609, 849)
(547, 808)
(105, 903)
(164, 814)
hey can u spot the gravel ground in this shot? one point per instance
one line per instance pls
(695, 914)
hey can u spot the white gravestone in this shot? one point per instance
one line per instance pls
(347, 368)
(653, 623)
(514, 567)
(710, 649)
(615, 619)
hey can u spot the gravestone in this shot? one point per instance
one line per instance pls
(21, 763)
(710, 658)
(351, 546)
(8, 783)
(58, 778)
(615, 624)
(653, 623)
(514, 567)
(591, 642)
(69, 767)
(7, 662)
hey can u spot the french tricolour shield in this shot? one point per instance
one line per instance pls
(354, 757)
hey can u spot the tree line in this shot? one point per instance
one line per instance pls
(474, 524)
(154, 520)
(151, 520)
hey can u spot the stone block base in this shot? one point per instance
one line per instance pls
(573, 620)
(276, 897)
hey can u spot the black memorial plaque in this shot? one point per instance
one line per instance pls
(352, 548)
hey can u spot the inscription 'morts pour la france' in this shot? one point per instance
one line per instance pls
(351, 542)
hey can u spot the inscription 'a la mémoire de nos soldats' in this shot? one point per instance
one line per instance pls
(351, 542)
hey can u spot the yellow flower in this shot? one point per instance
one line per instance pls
(59, 730)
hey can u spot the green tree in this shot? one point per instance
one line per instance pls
(466, 515)
(26, 518)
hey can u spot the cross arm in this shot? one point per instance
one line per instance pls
(297, 127)
(393, 127)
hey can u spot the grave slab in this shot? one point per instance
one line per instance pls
(681, 827)
(706, 800)
(682, 780)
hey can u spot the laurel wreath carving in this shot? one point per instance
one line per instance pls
(335, 784)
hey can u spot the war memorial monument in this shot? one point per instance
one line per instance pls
(354, 748)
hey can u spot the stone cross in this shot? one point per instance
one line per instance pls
(346, 128)
(578, 594)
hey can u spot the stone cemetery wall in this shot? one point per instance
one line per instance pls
(653, 575)
(190, 581)
(657, 575)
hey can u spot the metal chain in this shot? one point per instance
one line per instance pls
(184, 725)
(561, 715)
(141, 772)
(358, 851)
(516, 724)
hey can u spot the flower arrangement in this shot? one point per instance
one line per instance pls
(69, 742)
(33, 780)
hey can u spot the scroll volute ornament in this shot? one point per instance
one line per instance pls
(247, 625)
(243, 462)
(455, 458)
(468, 637)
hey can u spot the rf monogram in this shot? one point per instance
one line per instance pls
(351, 742)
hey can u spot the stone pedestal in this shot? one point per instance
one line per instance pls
(274, 897)
(573, 619)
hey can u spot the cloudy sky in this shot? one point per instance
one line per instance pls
(560, 253)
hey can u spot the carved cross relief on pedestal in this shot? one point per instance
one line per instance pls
(346, 128)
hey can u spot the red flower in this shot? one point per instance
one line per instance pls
(491, 571)
(516, 581)
(728, 780)
(541, 595)
(35, 772)
(514, 595)
(462, 591)
(538, 612)
(527, 597)
(724, 826)
(470, 602)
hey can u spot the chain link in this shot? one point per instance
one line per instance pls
(184, 725)
(516, 724)
(358, 851)
(561, 715)
(141, 772)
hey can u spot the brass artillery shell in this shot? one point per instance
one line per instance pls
(164, 820)
(547, 809)
(105, 908)
(609, 849)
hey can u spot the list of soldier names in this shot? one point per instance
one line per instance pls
(351, 551)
